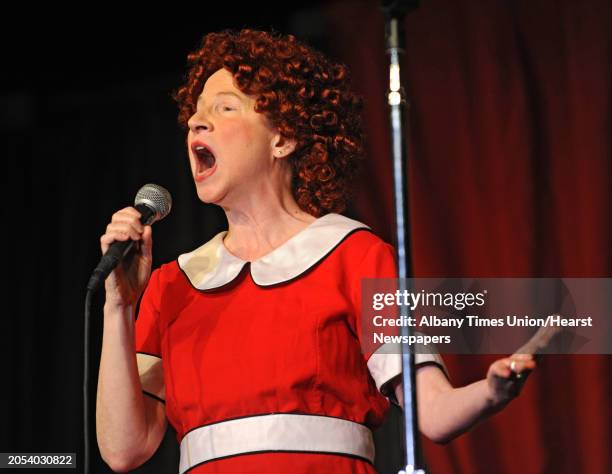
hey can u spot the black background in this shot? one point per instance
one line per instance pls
(86, 119)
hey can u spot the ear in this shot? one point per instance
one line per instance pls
(283, 147)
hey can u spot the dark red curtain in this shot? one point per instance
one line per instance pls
(510, 176)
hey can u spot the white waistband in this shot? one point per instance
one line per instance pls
(276, 432)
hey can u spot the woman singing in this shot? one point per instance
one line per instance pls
(250, 345)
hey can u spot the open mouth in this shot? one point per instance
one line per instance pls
(205, 156)
(206, 161)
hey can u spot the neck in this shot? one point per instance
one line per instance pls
(258, 227)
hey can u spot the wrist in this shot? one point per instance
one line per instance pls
(117, 299)
(118, 305)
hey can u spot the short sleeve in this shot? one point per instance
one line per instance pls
(385, 361)
(148, 341)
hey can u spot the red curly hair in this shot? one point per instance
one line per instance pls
(304, 95)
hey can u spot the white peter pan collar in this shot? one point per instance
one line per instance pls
(212, 265)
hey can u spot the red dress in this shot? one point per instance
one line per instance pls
(259, 363)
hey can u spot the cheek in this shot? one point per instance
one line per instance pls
(233, 132)
(246, 137)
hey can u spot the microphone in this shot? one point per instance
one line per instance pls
(154, 203)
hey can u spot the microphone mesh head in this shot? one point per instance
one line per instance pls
(155, 197)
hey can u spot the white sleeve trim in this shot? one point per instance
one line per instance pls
(386, 363)
(151, 375)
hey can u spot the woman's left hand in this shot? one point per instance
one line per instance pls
(506, 377)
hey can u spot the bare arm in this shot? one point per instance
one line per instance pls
(129, 424)
(445, 412)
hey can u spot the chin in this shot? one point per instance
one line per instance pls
(206, 197)
(209, 196)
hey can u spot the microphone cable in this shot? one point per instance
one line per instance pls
(154, 203)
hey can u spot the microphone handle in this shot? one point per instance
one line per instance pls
(117, 251)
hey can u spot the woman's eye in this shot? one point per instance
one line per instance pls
(226, 108)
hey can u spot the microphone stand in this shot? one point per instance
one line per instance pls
(394, 13)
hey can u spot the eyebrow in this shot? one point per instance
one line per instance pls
(222, 93)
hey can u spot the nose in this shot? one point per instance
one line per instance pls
(198, 122)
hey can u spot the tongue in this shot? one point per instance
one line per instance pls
(209, 161)
(206, 160)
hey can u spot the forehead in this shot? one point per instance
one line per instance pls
(220, 81)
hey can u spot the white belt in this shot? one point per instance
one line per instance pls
(276, 432)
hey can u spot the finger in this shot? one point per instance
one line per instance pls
(147, 241)
(501, 368)
(108, 239)
(130, 210)
(521, 356)
(127, 218)
(130, 223)
(530, 364)
(117, 232)
(528, 360)
(123, 229)
(517, 366)
(114, 236)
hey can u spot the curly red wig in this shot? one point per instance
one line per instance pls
(304, 94)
